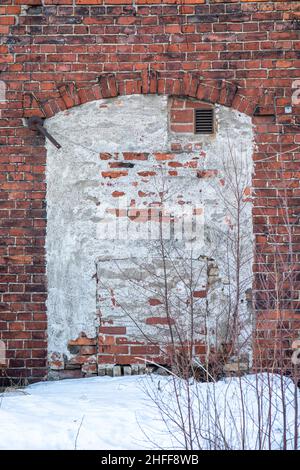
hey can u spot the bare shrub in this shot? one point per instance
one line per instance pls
(199, 407)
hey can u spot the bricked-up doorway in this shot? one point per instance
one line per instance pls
(118, 157)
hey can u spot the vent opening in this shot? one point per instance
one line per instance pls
(204, 121)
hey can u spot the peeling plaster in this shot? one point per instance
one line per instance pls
(76, 192)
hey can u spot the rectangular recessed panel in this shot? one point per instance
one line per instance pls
(204, 121)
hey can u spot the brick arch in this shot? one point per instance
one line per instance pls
(110, 85)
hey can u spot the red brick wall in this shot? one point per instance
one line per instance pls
(56, 54)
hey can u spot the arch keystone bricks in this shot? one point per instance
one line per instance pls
(110, 85)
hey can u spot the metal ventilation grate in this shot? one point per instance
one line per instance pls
(204, 121)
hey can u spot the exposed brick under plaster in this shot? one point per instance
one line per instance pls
(185, 168)
(240, 54)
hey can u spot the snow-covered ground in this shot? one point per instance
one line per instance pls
(118, 413)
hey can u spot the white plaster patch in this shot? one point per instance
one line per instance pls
(2, 94)
(76, 192)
